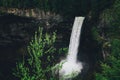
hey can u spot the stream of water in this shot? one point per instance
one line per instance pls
(71, 67)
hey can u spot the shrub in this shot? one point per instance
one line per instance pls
(111, 67)
(40, 59)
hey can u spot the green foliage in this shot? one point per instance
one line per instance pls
(115, 48)
(96, 35)
(100, 77)
(41, 58)
(111, 22)
(111, 67)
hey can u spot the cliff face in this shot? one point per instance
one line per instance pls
(34, 12)
(22, 22)
(16, 31)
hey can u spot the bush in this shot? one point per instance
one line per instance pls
(40, 59)
(111, 67)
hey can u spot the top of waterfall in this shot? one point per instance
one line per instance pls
(79, 18)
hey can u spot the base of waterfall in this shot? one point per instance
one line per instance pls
(68, 69)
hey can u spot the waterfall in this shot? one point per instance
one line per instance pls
(75, 39)
(70, 66)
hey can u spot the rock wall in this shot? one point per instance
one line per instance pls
(34, 12)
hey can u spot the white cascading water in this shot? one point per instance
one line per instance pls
(70, 66)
